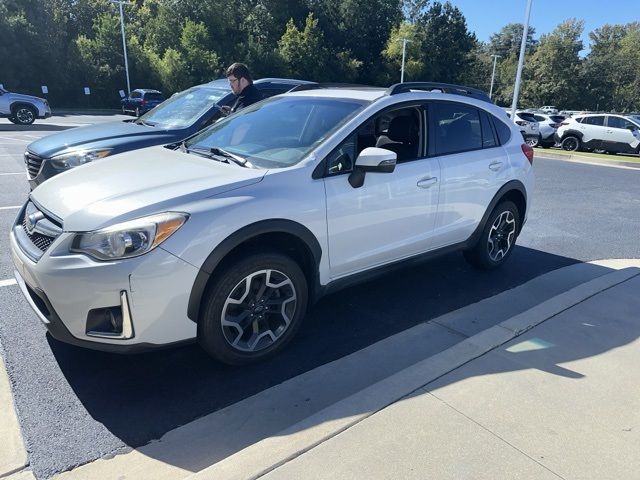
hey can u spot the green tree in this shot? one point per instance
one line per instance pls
(507, 41)
(555, 67)
(414, 64)
(303, 51)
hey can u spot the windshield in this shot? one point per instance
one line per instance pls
(184, 108)
(280, 131)
(527, 116)
(635, 118)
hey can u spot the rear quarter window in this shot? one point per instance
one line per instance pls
(503, 131)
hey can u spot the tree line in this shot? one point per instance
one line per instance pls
(173, 44)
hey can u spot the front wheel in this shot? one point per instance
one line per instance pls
(498, 238)
(24, 115)
(253, 308)
(12, 120)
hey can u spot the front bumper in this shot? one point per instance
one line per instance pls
(63, 288)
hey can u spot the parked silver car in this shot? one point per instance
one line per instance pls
(22, 109)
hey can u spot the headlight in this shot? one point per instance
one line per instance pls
(129, 239)
(77, 158)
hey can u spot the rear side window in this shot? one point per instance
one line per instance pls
(457, 128)
(136, 95)
(527, 117)
(597, 120)
(503, 131)
(557, 118)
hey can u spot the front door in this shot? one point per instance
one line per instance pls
(392, 215)
(621, 135)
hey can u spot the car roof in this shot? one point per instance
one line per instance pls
(363, 93)
(147, 90)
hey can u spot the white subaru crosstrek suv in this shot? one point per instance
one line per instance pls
(609, 132)
(230, 236)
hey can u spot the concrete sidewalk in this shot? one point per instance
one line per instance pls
(559, 400)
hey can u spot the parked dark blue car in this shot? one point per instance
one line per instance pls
(172, 121)
(141, 100)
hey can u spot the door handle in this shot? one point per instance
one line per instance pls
(495, 166)
(427, 182)
(609, 131)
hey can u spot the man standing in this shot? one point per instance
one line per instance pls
(241, 84)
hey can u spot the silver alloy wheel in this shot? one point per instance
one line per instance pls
(259, 310)
(533, 141)
(501, 236)
(24, 115)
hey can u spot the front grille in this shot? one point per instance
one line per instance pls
(41, 241)
(36, 231)
(34, 163)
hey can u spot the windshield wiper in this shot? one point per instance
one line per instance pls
(145, 123)
(231, 156)
(220, 153)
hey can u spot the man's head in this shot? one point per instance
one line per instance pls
(239, 77)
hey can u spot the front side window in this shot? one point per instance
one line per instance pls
(185, 108)
(618, 122)
(280, 131)
(398, 130)
(457, 128)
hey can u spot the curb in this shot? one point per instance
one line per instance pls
(267, 455)
(590, 160)
(13, 455)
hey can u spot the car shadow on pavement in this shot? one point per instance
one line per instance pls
(139, 398)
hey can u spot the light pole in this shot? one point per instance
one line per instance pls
(124, 41)
(404, 49)
(493, 74)
(523, 46)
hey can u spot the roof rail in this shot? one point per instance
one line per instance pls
(443, 87)
(316, 86)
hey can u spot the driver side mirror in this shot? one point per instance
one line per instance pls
(633, 128)
(374, 160)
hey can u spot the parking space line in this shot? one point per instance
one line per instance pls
(13, 173)
(11, 208)
(15, 140)
(9, 154)
(8, 282)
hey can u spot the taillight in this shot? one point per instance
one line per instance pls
(521, 123)
(144, 102)
(528, 152)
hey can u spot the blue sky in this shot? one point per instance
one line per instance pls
(485, 17)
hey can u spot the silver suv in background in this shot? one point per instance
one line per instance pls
(611, 133)
(22, 109)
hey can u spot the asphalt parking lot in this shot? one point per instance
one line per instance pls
(76, 405)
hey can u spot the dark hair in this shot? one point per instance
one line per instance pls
(239, 70)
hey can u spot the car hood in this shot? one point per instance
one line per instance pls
(110, 134)
(20, 96)
(135, 184)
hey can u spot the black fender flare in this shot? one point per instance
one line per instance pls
(237, 238)
(572, 133)
(512, 185)
(18, 103)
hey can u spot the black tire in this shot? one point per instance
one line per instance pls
(12, 120)
(24, 114)
(571, 144)
(502, 227)
(256, 317)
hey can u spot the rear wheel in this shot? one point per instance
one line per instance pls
(253, 308)
(533, 141)
(571, 144)
(498, 238)
(12, 120)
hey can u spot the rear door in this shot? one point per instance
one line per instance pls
(473, 167)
